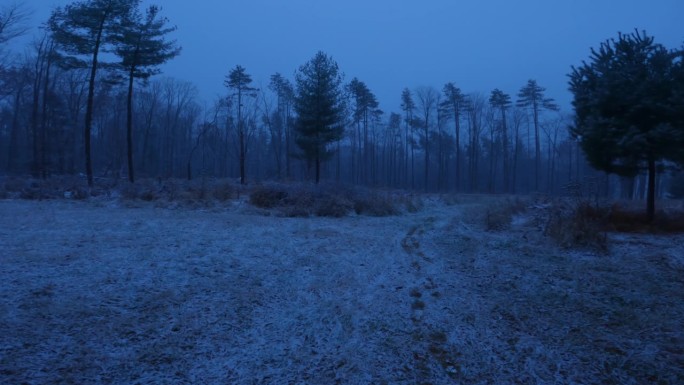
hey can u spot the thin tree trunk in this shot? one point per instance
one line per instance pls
(129, 126)
(89, 105)
(650, 205)
(537, 148)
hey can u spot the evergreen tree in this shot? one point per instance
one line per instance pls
(319, 107)
(532, 96)
(142, 48)
(455, 103)
(628, 105)
(240, 81)
(84, 29)
(408, 106)
(365, 105)
(285, 93)
(502, 101)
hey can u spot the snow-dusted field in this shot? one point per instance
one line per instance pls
(103, 292)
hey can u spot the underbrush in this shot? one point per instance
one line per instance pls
(631, 220)
(177, 191)
(585, 224)
(499, 215)
(69, 187)
(201, 191)
(579, 225)
(330, 200)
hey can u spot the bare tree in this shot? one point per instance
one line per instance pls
(13, 18)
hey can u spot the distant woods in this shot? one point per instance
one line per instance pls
(85, 99)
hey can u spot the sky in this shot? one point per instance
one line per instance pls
(390, 45)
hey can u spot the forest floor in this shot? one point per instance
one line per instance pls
(112, 292)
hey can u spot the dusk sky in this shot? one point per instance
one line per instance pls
(392, 44)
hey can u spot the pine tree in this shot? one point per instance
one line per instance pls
(142, 48)
(84, 29)
(502, 101)
(319, 107)
(532, 96)
(628, 107)
(240, 81)
(365, 105)
(408, 106)
(455, 103)
(285, 93)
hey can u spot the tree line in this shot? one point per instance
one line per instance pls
(85, 101)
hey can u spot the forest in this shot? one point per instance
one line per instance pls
(304, 232)
(435, 138)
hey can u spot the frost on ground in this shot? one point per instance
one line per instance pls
(102, 292)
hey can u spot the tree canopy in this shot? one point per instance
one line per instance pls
(628, 107)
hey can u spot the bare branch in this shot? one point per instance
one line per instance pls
(13, 21)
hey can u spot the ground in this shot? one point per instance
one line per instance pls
(112, 292)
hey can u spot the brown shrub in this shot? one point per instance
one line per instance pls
(329, 200)
(499, 215)
(374, 204)
(267, 196)
(579, 226)
(631, 220)
(222, 191)
(333, 206)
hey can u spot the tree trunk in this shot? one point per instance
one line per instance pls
(650, 204)
(537, 148)
(89, 105)
(14, 133)
(129, 126)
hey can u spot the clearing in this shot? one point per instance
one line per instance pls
(103, 291)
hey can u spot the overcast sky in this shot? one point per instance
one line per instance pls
(391, 44)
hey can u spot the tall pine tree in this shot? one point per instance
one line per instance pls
(83, 29)
(532, 96)
(455, 103)
(141, 46)
(239, 81)
(502, 101)
(319, 106)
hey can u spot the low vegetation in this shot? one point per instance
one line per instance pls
(330, 200)
(285, 199)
